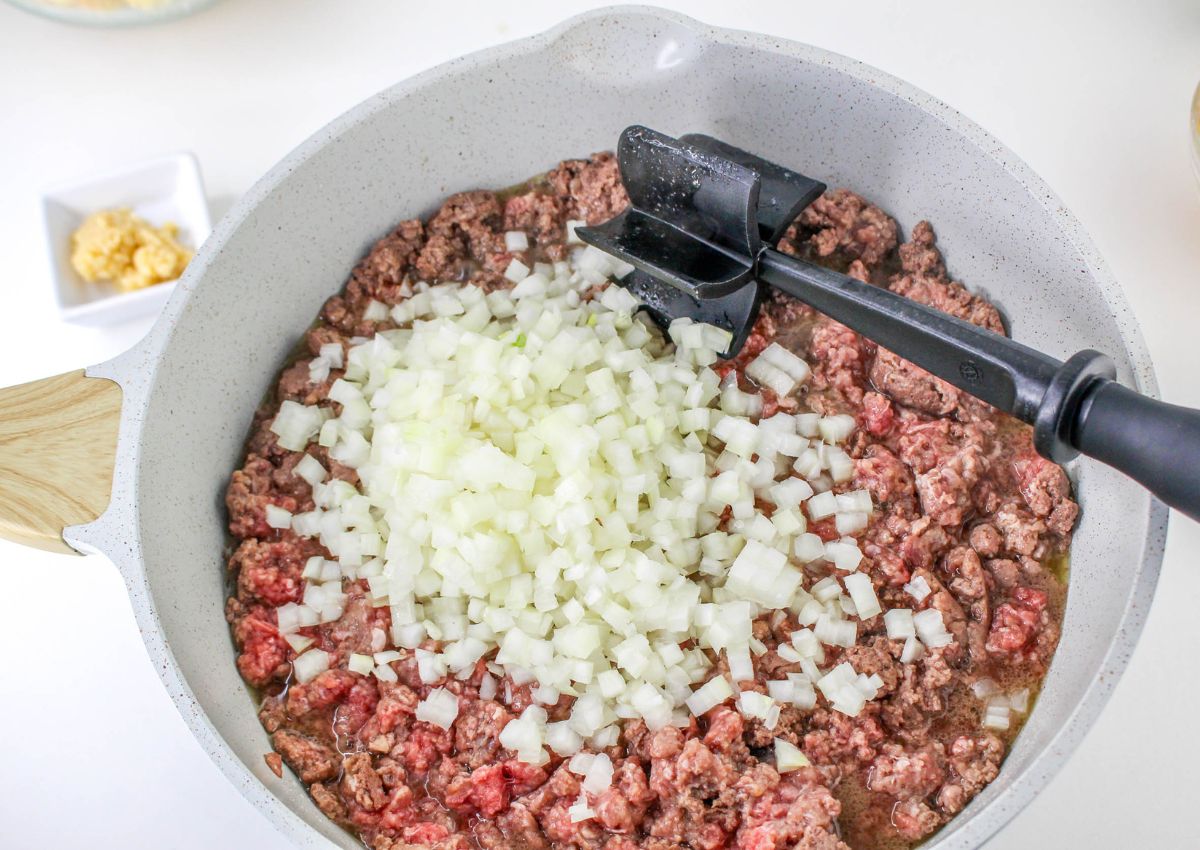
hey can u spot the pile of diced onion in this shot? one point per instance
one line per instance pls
(550, 485)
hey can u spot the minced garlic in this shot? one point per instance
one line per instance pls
(117, 246)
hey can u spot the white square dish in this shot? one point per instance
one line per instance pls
(166, 188)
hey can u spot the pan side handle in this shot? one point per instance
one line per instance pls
(58, 445)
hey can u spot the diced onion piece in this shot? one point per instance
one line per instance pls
(850, 523)
(821, 505)
(310, 469)
(996, 717)
(781, 690)
(580, 762)
(984, 688)
(516, 271)
(840, 465)
(789, 757)
(826, 590)
(311, 664)
(863, 593)
(430, 666)
(835, 429)
(808, 547)
(333, 353)
(762, 574)
(440, 708)
(599, 774)
(931, 628)
(786, 361)
(856, 501)
(579, 811)
(770, 376)
(899, 623)
(790, 492)
(572, 237)
(912, 651)
(709, 695)
(298, 643)
(740, 667)
(1019, 701)
(487, 688)
(561, 738)
(278, 517)
(844, 556)
(918, 588)
(807, 645)
(295, 424)
(526, 735)
(516, 240)
(835, 632)
(755, 705)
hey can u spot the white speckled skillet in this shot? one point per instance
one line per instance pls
(492, 119)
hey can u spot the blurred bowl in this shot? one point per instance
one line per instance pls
(112, 13)
(1195, 131)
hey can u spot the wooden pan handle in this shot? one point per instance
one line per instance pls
(58, 445)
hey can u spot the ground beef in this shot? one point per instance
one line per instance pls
(842, 223)
(840, 359)
(591, 189)
(381, 274)
(962, 500)
(910, 385)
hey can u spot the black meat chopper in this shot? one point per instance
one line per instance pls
(701, 219)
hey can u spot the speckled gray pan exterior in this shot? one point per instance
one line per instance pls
(492, 119)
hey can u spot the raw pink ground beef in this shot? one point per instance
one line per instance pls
(963, 502)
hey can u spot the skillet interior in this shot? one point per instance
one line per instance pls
(492, 119)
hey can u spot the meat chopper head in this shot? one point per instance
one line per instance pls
(700, 212)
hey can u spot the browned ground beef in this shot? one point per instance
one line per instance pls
(963, 502)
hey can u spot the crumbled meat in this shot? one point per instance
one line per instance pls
(961, 501)
(985, 539)
(974, 762)
(1046, 491)
(361, 783)
(924, 279)
(591, 188)
(841, 221)
(263, 653)
(949, 459)
(878, 416)
(312, 760)
(269, 571)
(1018, 623)
(329, 802)
(538, 214)
(969, 583)
(914, 819)
(251, 489)
(839, 359)
(909, 384)
(901, 773)
(1022, 530)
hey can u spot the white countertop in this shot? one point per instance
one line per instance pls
(1092, 93)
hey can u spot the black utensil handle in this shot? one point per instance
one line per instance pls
(999, 370)
(1154, 443)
